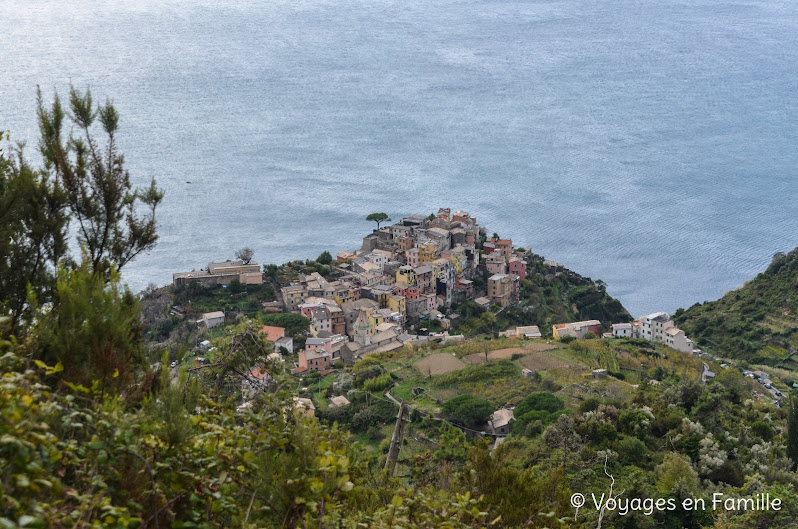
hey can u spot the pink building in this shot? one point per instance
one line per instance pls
(517, 266)
(432, 301)
(321, 344)
(461, 216)
(424, 278)
(411, 294)
(466, 285)
(314, 360)
(504, 247)
(495, 263)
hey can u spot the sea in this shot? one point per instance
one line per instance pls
(652, 144)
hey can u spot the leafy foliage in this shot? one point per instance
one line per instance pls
(379, 383)
(293, 323)
(379, 218)
(756, 322)
(468, 410)
(540, 401)
(92, 330)
(546, 298)
(33, 224)
(792, 429)
(245, 254)
(98, 188)
(479, 373)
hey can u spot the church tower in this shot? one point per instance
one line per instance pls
(362, 329)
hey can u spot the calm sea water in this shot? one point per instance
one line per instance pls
(649, 143)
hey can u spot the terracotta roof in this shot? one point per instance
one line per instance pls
(258, 373)
(272, 333)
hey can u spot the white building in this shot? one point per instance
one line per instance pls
(379, 259)
(653, 326)
(337, 402)
(622, 330)
(286, 342)
(212, 319)
(658, 327)
(675, 339)
(499, 422)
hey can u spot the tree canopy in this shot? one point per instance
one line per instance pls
(92, 330)
(98, 188)
(245, 254)
(468, 410)
(83, 181)
(379, 218)
(33, 226)
(293, 323)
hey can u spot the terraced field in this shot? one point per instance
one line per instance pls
(439, 364)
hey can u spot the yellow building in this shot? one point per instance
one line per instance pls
(427, 252)
(439, 268)
(457, 261)
(374, 319)
(398, 304)
(377, 317)
(342, 296)
(407, 275)
(383, 299)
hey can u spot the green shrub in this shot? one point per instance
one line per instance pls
(380, 383)
(590, 404)
(539, 401)
(480, 373)
(468, 410)
(762, 430)
(631, 450)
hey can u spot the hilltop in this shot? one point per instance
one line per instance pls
(757, 323)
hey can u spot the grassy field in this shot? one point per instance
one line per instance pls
(441, 373)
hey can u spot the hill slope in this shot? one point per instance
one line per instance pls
(757, 322)
(547, 298)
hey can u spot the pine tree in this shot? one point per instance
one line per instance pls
(93, 329)
(33, 223)
(98, 189)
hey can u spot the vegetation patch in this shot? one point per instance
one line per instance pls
(480, 373)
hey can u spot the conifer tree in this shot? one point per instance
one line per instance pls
(102, 201)
(33, 225)
(93, 329)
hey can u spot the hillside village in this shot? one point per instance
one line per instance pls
(405, 277)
